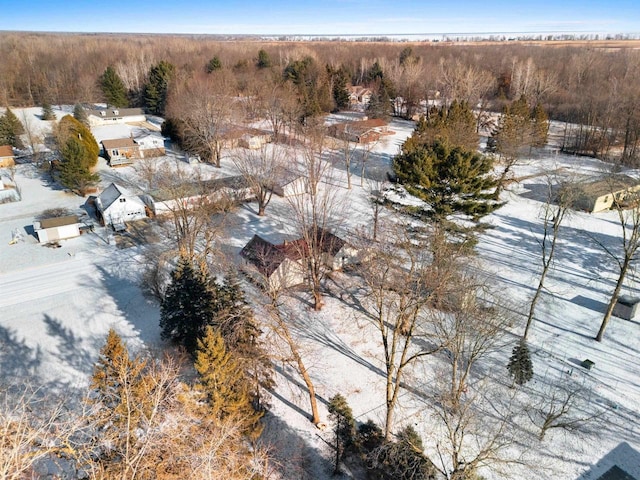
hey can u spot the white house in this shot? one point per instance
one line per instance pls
(150, 145)
(113, 116)
(116, 206)
(57, 228)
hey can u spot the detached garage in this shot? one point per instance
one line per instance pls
(57, 228)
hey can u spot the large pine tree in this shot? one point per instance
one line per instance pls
(450, 179)
(113, 89)
(224, 383)
(157, 87)
(10, 130)
(73, 171)
(520, 366)
(188, 307)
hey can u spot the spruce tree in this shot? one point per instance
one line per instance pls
(450, 180)
(264, 61)
(540, 126)
(10, 130)
(213, 65)
(344, 428)
(113, 89)
(454, 125)
(235, 321)
(223, 382)
(187, 308)
(80, 114)
(47, 111)
(157, 87)
(520, 366)
(72, 169)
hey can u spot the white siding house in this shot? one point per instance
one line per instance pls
(113, 116)
(150, 145)
(116, 206)
(58, 228)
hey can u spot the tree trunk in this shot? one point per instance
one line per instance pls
(315, 415)
(614, 299)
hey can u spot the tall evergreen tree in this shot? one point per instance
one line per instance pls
(47, 111)
(540, 121)
(454, 125)
(520, 366)
(450, 180)
(344, 428)
(10, 129)
(223, 382)
(157, 87)
(73, 170)
(235, 321)
(187, 308)
(113, 89)
(80, 114)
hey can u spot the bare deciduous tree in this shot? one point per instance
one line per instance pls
(316, 214)
(263, 171)
(628, 209)
(559, 202)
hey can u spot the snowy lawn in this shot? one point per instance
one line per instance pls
(56, 306)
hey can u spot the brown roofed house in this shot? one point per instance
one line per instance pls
(121, 151)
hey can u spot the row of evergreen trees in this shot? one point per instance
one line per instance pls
(399, 459)
(213, 322)
(153, 95)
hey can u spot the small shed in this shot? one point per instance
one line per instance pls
(291, 184)
(626, 307)
(57, 228)
(121, 151)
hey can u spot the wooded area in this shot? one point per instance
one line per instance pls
(595, 90)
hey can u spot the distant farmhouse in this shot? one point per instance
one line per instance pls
(359, 96)
(112, 116)
(6, 156)
(600, 195)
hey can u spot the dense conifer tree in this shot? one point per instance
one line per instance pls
(520, 366)
(47, 111)
(80, 114)
(157, 87)
(10, 130)
(449, 179)
(113, 89)
(223, 382)
(213, 65)
(187, 308)
(344, 427)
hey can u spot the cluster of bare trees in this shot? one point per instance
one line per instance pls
(593, 90)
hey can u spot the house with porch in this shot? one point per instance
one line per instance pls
(120, 151)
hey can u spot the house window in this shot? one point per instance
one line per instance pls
(122, 200)
(606, 199)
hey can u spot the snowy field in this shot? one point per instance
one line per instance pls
(57, 305)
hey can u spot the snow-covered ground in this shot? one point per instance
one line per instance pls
(57, 304)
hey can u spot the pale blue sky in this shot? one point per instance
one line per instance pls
(304, 17)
